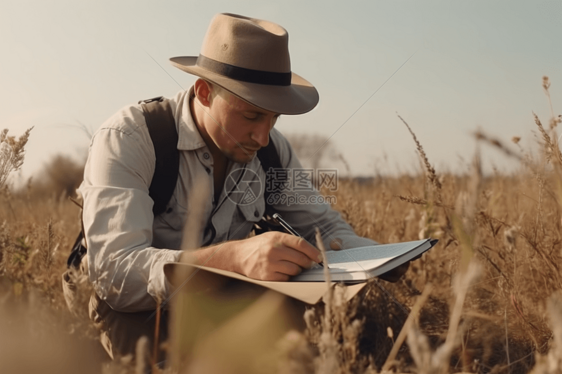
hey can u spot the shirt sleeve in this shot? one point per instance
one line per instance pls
(125, 270)
(312, 210)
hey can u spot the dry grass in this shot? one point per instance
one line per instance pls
(492, 284)
(12, 153)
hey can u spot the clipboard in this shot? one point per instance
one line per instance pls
(206, 278)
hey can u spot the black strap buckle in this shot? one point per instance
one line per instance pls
(77, 253)
(148, 101)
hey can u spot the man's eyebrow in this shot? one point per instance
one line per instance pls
(257, 111)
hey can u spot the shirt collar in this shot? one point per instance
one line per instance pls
(189, 138)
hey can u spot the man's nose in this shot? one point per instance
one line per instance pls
(261, 135)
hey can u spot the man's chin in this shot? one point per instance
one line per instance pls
(242, 159)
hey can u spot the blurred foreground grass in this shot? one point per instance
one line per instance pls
(492, 285)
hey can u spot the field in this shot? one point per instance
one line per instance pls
(486, 299)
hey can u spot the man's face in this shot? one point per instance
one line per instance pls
(238, 128)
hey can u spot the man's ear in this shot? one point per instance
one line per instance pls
(202, 91)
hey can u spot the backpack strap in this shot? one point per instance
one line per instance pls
(162, 129)
(269, 159)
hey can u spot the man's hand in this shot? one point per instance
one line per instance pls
(274, 256)
(395, 274)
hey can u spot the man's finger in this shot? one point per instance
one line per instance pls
(302, 246)
(290, 254)
(288, 268)
(336, 244)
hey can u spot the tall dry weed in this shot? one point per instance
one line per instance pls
(12, 153)
(500, 316)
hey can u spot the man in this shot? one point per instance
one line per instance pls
(245, 84)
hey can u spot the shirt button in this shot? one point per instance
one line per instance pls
(206, 156)
(256, 214)
(208, 170)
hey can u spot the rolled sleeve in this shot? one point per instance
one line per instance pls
(125, 270)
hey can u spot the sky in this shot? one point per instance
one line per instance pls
(447, 67)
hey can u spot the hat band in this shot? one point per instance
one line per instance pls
(243, 74)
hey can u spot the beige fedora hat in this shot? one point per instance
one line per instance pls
(250, 58)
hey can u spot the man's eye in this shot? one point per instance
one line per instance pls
(251, 117)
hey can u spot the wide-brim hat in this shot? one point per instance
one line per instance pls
(250, 58)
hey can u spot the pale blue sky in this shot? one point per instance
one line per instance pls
(475, 63)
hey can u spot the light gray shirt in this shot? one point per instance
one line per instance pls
(128, 246)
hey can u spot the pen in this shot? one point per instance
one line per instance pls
(290, 230)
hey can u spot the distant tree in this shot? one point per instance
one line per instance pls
(61, 176)
(313, 149)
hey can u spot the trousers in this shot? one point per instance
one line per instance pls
(120, 332)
